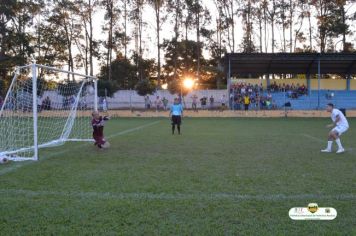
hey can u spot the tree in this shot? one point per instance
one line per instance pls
(185, 52)
(226, 21)
(68, 26)
(247, 13)
(201, 17)
(15, 22)
(123, 73)
(144, 87)
(272, 13)
(325, 17)
(283, 7)
(175, 6)
(157, 6)
(136, 17)
(88, 8)
(112, 16)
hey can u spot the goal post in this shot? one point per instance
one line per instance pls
(45, 107)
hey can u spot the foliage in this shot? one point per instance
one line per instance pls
(107, 87)
(144, 87)
(123, 72)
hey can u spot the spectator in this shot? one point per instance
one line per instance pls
(158, 103)
(39, 104)
(165, 103)
(223, 102)
(246, 102)
(105, 105)
(46, 103)
(237, 103)
(231, 101)
(211, 102)
(147, 102)
(203, 102)
(194, 102)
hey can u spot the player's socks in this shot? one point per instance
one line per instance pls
(330, 143)
(173, 128)
(338, 142)
(178, 126)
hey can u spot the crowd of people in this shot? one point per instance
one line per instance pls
(247, 96)
(293, 90)
(162, 103)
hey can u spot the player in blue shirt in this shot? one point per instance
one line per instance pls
(176, 114)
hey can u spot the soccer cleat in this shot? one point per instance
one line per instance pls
(326, 150)
(340, 150)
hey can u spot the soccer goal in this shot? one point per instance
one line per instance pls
(45, 107)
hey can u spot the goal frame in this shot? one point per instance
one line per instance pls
(34, 67)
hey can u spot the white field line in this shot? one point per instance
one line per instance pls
(173, 196)
(350, 150)
(314, 138)
(21, 164)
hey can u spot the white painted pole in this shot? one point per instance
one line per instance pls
(34, 108)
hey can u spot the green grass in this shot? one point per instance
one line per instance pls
(221, 177)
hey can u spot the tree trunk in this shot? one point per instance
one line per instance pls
(265, 27)
(157, 9)
(310, 30)
(176, 31)
(260, 29)
(198, 42)
(91, 53)
(125, 28)
(344, 31)
(232, 26)
(291, 10)
(110, 46)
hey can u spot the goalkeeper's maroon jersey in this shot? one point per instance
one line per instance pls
(98, 129)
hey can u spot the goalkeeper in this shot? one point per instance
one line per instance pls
(98, 130)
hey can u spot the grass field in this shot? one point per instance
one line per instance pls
(220, 177)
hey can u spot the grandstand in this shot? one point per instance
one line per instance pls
(320, 91)
(342, 99)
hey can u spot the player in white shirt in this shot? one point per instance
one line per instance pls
(340, 126)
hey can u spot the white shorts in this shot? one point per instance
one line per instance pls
(340, 129)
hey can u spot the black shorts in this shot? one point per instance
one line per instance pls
(176, 120)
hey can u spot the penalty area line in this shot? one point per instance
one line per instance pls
(350, 150)
(24, 163)
(313, 138)
(174, 196)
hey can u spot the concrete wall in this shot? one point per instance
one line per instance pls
(127, 98)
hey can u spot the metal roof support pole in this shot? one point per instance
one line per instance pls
(308, 84)
(309, 88)
(348, 82)
(229, 82)
(318, 83)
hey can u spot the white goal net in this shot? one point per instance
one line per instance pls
(45, 107)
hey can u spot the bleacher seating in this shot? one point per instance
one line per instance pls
(341, 99)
